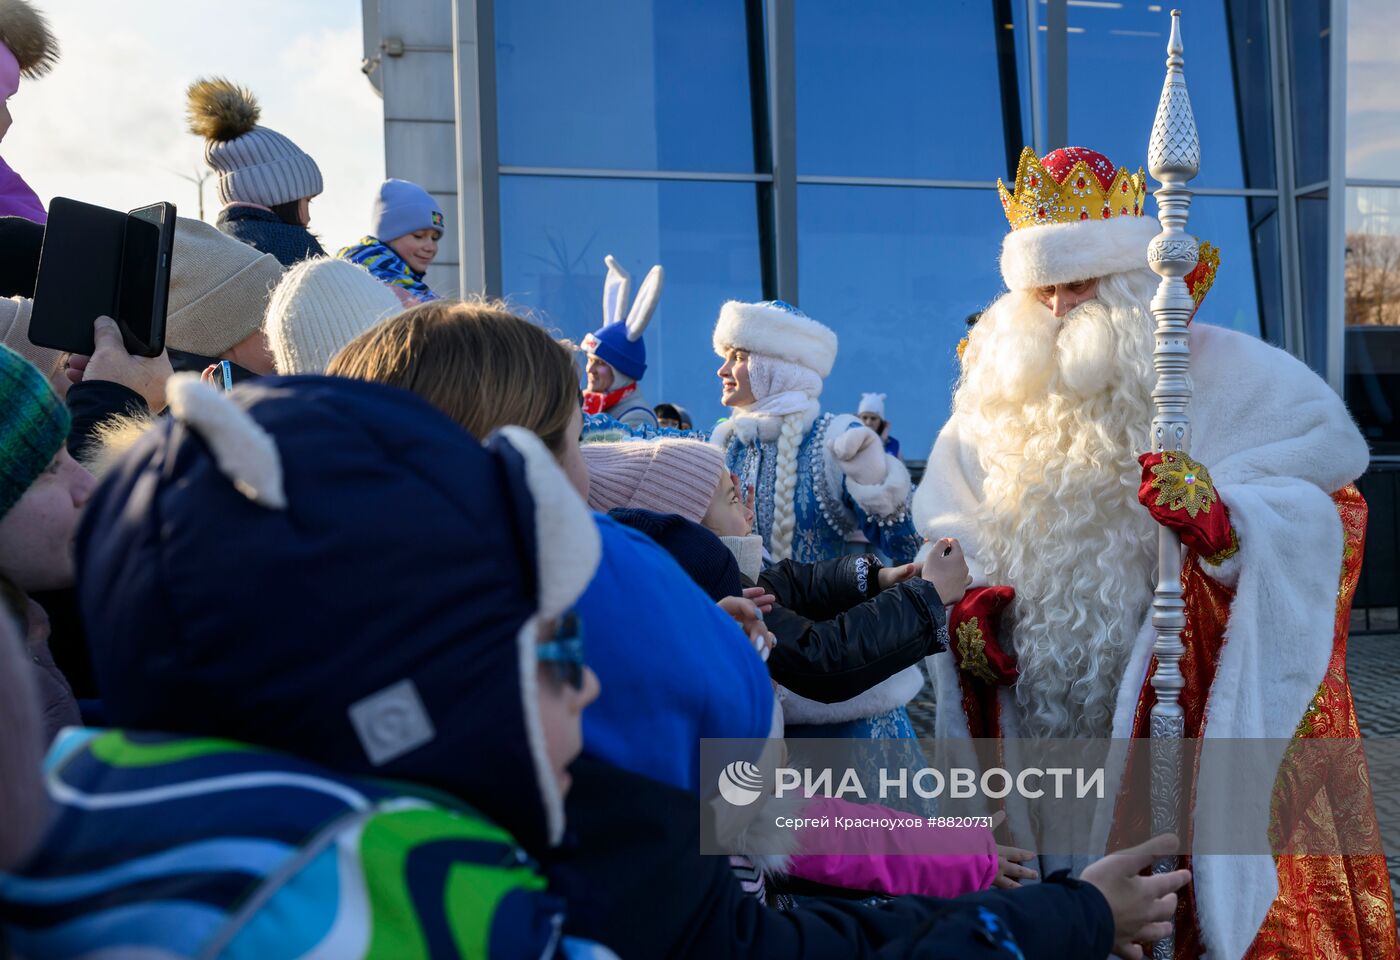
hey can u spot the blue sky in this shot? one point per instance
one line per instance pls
(107, 126)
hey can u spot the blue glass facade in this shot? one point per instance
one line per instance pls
(646, 129)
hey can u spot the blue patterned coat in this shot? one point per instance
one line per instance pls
(827, 507)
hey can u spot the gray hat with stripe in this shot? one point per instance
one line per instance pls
(255, 164)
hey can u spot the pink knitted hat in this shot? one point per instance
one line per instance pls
(665, 476)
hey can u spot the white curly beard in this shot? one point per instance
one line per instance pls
(1059, 411)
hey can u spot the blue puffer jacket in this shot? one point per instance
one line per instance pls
(264, 230)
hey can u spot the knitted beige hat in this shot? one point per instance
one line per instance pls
(665, 476)
(219, 288)
(320, 306)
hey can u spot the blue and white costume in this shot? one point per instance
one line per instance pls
(816, 478)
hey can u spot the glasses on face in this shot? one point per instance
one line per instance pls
(563, 655)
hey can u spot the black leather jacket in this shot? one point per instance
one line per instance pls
(839, 634)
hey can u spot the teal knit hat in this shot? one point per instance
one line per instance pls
(33, 426)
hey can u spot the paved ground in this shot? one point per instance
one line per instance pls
(1373, 664)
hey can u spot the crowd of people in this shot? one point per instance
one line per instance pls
(407, 644)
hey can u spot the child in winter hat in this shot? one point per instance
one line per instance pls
(319, 307)
(27, 49)
(266, 182)
(407, 224)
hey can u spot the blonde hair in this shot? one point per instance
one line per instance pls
(785, 487)
(476, 361)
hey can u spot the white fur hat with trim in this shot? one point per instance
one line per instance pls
(872, 403)
(775, 329)
(1073, 217)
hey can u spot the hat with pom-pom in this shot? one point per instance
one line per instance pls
(27, 46)
(255, 164)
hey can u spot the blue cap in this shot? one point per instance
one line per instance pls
(401, 207)
(609, 343)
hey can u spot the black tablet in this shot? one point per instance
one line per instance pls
(100, 262)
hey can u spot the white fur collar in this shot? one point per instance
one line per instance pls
(749, 423)
(885, 696)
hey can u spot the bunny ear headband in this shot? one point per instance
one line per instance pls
(615, 290)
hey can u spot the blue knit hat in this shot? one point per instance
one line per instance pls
(401, 207)
(33, 426)
(371, 649)
(618, 342)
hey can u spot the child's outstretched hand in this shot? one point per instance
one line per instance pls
(1010, 873)
(889, 576)
(748, 616)
(946, 568)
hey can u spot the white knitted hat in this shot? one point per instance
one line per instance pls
(320, 306)
(872, 403)
(775, 329)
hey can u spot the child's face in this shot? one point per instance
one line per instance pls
(728, 515)
(418, 249)
(561, 716)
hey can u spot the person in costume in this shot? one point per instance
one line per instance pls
(29, 50)
(814, 478)
(617, 355)
(872, 413)
(265, 181)
(1038, 474)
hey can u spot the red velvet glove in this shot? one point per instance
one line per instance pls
(1180, 495)
(972, 630)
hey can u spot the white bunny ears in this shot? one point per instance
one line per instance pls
(615, 290)
(244, 452)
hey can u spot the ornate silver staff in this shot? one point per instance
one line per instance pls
(1173, 157)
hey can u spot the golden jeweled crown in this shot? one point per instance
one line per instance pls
(1069, 185)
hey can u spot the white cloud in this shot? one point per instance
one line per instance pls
(108, 125)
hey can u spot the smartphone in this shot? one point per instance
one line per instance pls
(99, 262)
(223, 375)
(144, 286)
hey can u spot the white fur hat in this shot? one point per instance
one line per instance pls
(321, 305)
(775, 329)
(872, 403)
(1053, 253)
